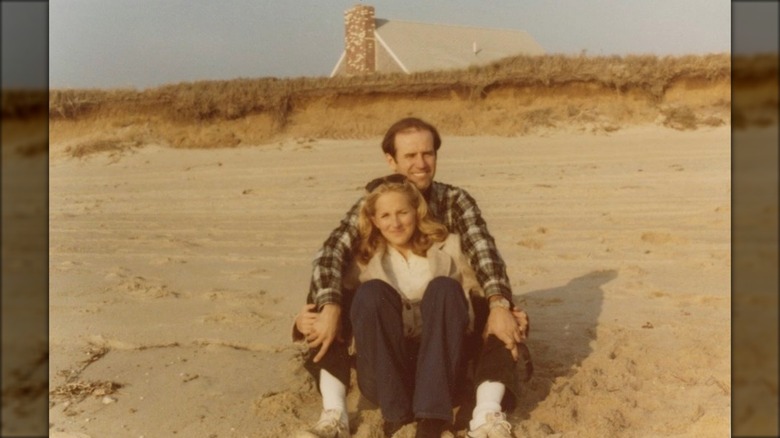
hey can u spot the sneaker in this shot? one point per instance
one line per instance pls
(330, 425)
(430, 428)
(495, 426)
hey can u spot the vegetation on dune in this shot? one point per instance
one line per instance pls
(512, 97)
(23, 103)
(749, 69)
(232, 99)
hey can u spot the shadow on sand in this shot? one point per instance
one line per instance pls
(561, 333)
(560, 339)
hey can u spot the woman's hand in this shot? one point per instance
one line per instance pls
(324, 329)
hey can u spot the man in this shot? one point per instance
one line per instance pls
(411, 147)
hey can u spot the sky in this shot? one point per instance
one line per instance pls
(146, 43)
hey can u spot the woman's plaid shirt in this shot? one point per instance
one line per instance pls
(453, 207)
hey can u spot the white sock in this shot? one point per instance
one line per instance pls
(334, 394)
(489, 395)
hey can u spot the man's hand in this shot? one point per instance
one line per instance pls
(324, 329)
(502, 324)
(511, 327)
(305, 319)
(523, 322)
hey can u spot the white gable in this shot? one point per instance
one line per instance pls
(422, 46)
(416, 47)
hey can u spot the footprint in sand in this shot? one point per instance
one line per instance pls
(68, 265)
(168, 260)
(660, 294)
(242, 317)
(117, 273)
(636, 270)
(533, 271)
(531, 243)
(259, 273)
(143, 288)
(137, 285)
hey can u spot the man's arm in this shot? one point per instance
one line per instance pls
(325, 287)
(480, 249)
(330, 261)
(479, 246)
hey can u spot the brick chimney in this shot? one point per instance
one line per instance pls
(359, 40)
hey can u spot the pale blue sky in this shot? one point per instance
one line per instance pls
(143, 43)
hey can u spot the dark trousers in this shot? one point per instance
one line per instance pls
(405, 380)
(336, 360)
(494, 361)
(490, 359)
(495, 364)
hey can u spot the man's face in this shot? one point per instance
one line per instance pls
(414, 158)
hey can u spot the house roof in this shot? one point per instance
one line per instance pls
(425, 46)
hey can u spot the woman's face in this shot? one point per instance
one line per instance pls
(396, 219)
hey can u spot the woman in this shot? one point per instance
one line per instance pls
(411, 316)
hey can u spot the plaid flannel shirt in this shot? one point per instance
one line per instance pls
(453, 207)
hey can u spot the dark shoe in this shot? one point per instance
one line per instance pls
(391, 427)
(430, 428)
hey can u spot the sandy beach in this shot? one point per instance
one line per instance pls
(175, 275)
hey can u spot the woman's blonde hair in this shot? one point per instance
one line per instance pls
(427, 230)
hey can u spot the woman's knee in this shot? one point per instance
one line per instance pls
(444, 289)
(372, 295)
(445, 283)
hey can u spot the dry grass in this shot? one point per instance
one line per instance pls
(749, 70)
(680, 118)
(649, 76)
(514, 96)
(755, 97)
(23, 103)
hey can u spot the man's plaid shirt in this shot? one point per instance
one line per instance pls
(453, 207)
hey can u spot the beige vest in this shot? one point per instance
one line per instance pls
(445, 260)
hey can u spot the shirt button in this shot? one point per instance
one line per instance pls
(408, 306)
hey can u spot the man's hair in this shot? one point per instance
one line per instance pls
(427, 230)
(408, 124)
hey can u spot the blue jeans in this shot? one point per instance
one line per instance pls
(408, 381)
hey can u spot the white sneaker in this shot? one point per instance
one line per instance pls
(330, 425)
(495, 426)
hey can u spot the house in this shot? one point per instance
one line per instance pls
(393, 46)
